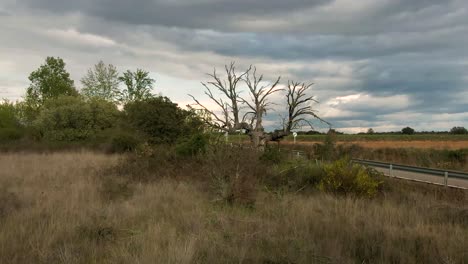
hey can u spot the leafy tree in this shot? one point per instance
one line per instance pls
(458, 130)
(101, 82)
(407, 131)
(370, 131)
(71, 118)
(10, 126)
(161, 120)
(49, 81)
(138, 85)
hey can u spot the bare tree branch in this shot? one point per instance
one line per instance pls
(228, 88)
(299, 105)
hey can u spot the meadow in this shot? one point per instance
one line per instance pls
(378, 141)
(90, 207)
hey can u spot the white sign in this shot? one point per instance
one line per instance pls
(295, 134)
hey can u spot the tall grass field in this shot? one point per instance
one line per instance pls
(87, 207)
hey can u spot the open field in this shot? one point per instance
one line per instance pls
(424, 141)
(56, 208)
(426, 144)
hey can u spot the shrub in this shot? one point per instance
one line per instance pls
(124, 142)
(326, 151)
(70, 118)
(10, 127)
(197, 144)
(345, 177)
(161, 120)
(295, 175)
(272, 155)
(234, 175)
(458, 155)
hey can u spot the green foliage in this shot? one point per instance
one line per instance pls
(69, 118)
(10, 127)
(161, 120)
(458, 131)
(370, 131)
(407, 131)
(326, 151)
(124, 142)
(197, 144)
(101, 82)
(458, 155)
(295, 175)
(345, 177)
(138, 86)
(49, 81)
(272, 155)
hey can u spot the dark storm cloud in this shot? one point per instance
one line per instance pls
(190, 14)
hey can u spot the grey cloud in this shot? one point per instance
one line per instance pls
(271, 15)
(378, 48)
(190, 14)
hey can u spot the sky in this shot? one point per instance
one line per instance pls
(381, 64)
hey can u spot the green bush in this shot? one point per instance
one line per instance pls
(124, 142)
(197, 144)
(272, 155)
(161, 120)
(10, 127)
(345, 177)
(458, 155)
(71, 118)
(295, 175)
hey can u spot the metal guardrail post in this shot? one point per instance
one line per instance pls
(391, 170)
(446, 179)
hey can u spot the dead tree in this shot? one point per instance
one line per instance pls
(257, 103)
(299, 106)
(258, 106)
(228, 88)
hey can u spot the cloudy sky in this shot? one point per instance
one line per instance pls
(383, 64)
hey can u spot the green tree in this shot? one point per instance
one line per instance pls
(161, 120)
(370, 131)
(71, 118)
(49, 81)
(138, 86)
(407, 131)
(101, 82)
(458, 130)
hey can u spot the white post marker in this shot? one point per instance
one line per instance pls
(391, 170)
(446, 179)
(295, 135)
(227, 136)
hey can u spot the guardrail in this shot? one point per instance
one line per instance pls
(435, 172)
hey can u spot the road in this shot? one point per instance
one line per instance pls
(424, 177)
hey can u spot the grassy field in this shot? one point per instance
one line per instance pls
(375, 137)
(58, 208)
(423, 141)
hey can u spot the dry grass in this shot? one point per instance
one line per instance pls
(375, 144)
(52, 210)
